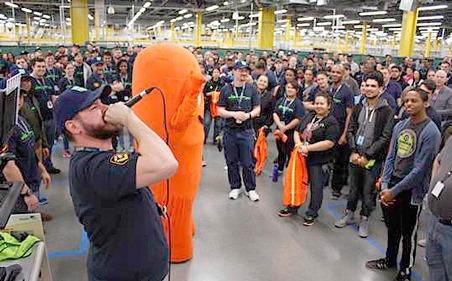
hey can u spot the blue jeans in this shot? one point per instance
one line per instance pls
(49, 131)
(217, 125)
(238, 150)
(439, 250)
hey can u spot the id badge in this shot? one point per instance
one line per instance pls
(439, 186)
(49, 105)
(56, 88)
(360, 141)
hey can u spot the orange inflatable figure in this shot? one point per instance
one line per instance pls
(260, 151)
(176, 72)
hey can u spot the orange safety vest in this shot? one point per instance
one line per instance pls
(215, 98)
(260, 151)
(296, 180)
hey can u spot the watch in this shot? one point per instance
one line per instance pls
(28, 193)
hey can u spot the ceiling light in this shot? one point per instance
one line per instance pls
(324, 23)
(173, 20)
(187, 16)
(211, 8)
(90, 17)
(303, 24)
(333, 17)
(384, 20)
(305, 19)
(142, 10)
(111, 9)
(37, 13)
(235, 15)
(376, 13)
(431, 18)
(12, 5)
(42, 20)
(161, 22)
(282, 11)
(429, 8)
(395, 29)
(226, 3)
(240, 18)
(225, 20)
(429, 24)
(46, 16)
(372, 29)
(358, 26)
(68, 19)
(350, 22)
(179, 18)
(253, 16)
(26, 10)
(282, 21)
(392, 25)
(338, 27)
(181, 12)
(147, 4)
(430, 28)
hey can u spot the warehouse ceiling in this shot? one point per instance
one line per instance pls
(166, 10)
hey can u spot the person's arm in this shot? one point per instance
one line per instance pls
(390, 158)
(44, 174)
(343, 138)
(435, 168)
(156, 162)
(320, 146)
(255, 112)
(293, 124)
(13, 174)
(277, 121)
(226, 113)
(353, 128)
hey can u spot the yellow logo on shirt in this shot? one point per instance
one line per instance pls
(119, 159)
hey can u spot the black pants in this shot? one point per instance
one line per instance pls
(317, 175)
(402, 221)
(340, 168)
(285, 149)
(362, 185)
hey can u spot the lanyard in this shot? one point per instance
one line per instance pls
(333, 93)
(124, 79)
(313, 122)
(286, 106)
(239, 98)
(52, 71)
(42, 83)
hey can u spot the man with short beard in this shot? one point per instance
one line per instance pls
(109, 189)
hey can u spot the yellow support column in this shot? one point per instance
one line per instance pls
(409, 23)
(437, 44)
(347, 39)
(79, 21)
(393, 42)
(428, 46)
(198, 29)
(296, 37)
(288, 25)
(173, 34)
(364, 39)
(28, 18)
(266, 31)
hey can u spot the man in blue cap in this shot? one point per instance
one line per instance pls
(109, 191)
(239, 104)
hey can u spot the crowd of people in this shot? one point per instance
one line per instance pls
(374, 123)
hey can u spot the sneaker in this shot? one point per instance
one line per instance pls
(252, 194)
(234, 194)
(363, 230)
(46, 217)
(403, 275)
(336, 196)
(380, 264)
(204, 163)
(67, 154)
(309, 221)
(422, 243)
(43, 201)
(287, 212)
(53, 170)
(347, 219)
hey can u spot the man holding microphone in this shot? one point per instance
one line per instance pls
(108, 189)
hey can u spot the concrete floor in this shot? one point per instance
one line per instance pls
(240, 240)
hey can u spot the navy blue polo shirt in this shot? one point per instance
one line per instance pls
(122, 222)
(22, 145)
(287, 110)
(394, 89)
(342, 99)
(43, 89)
(239, 99)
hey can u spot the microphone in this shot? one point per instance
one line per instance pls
(139, 97)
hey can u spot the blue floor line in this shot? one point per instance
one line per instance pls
(82, 249)
(332, 208)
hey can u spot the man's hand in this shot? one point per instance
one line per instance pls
(354, 158)
(242, 116)
(32, 202)
(363, 161)
(117, 86)
(45, 176)
(386, 197)
(303, 150)
(118, 114)
(343, 139)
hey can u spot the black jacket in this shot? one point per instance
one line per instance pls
(384, 122)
